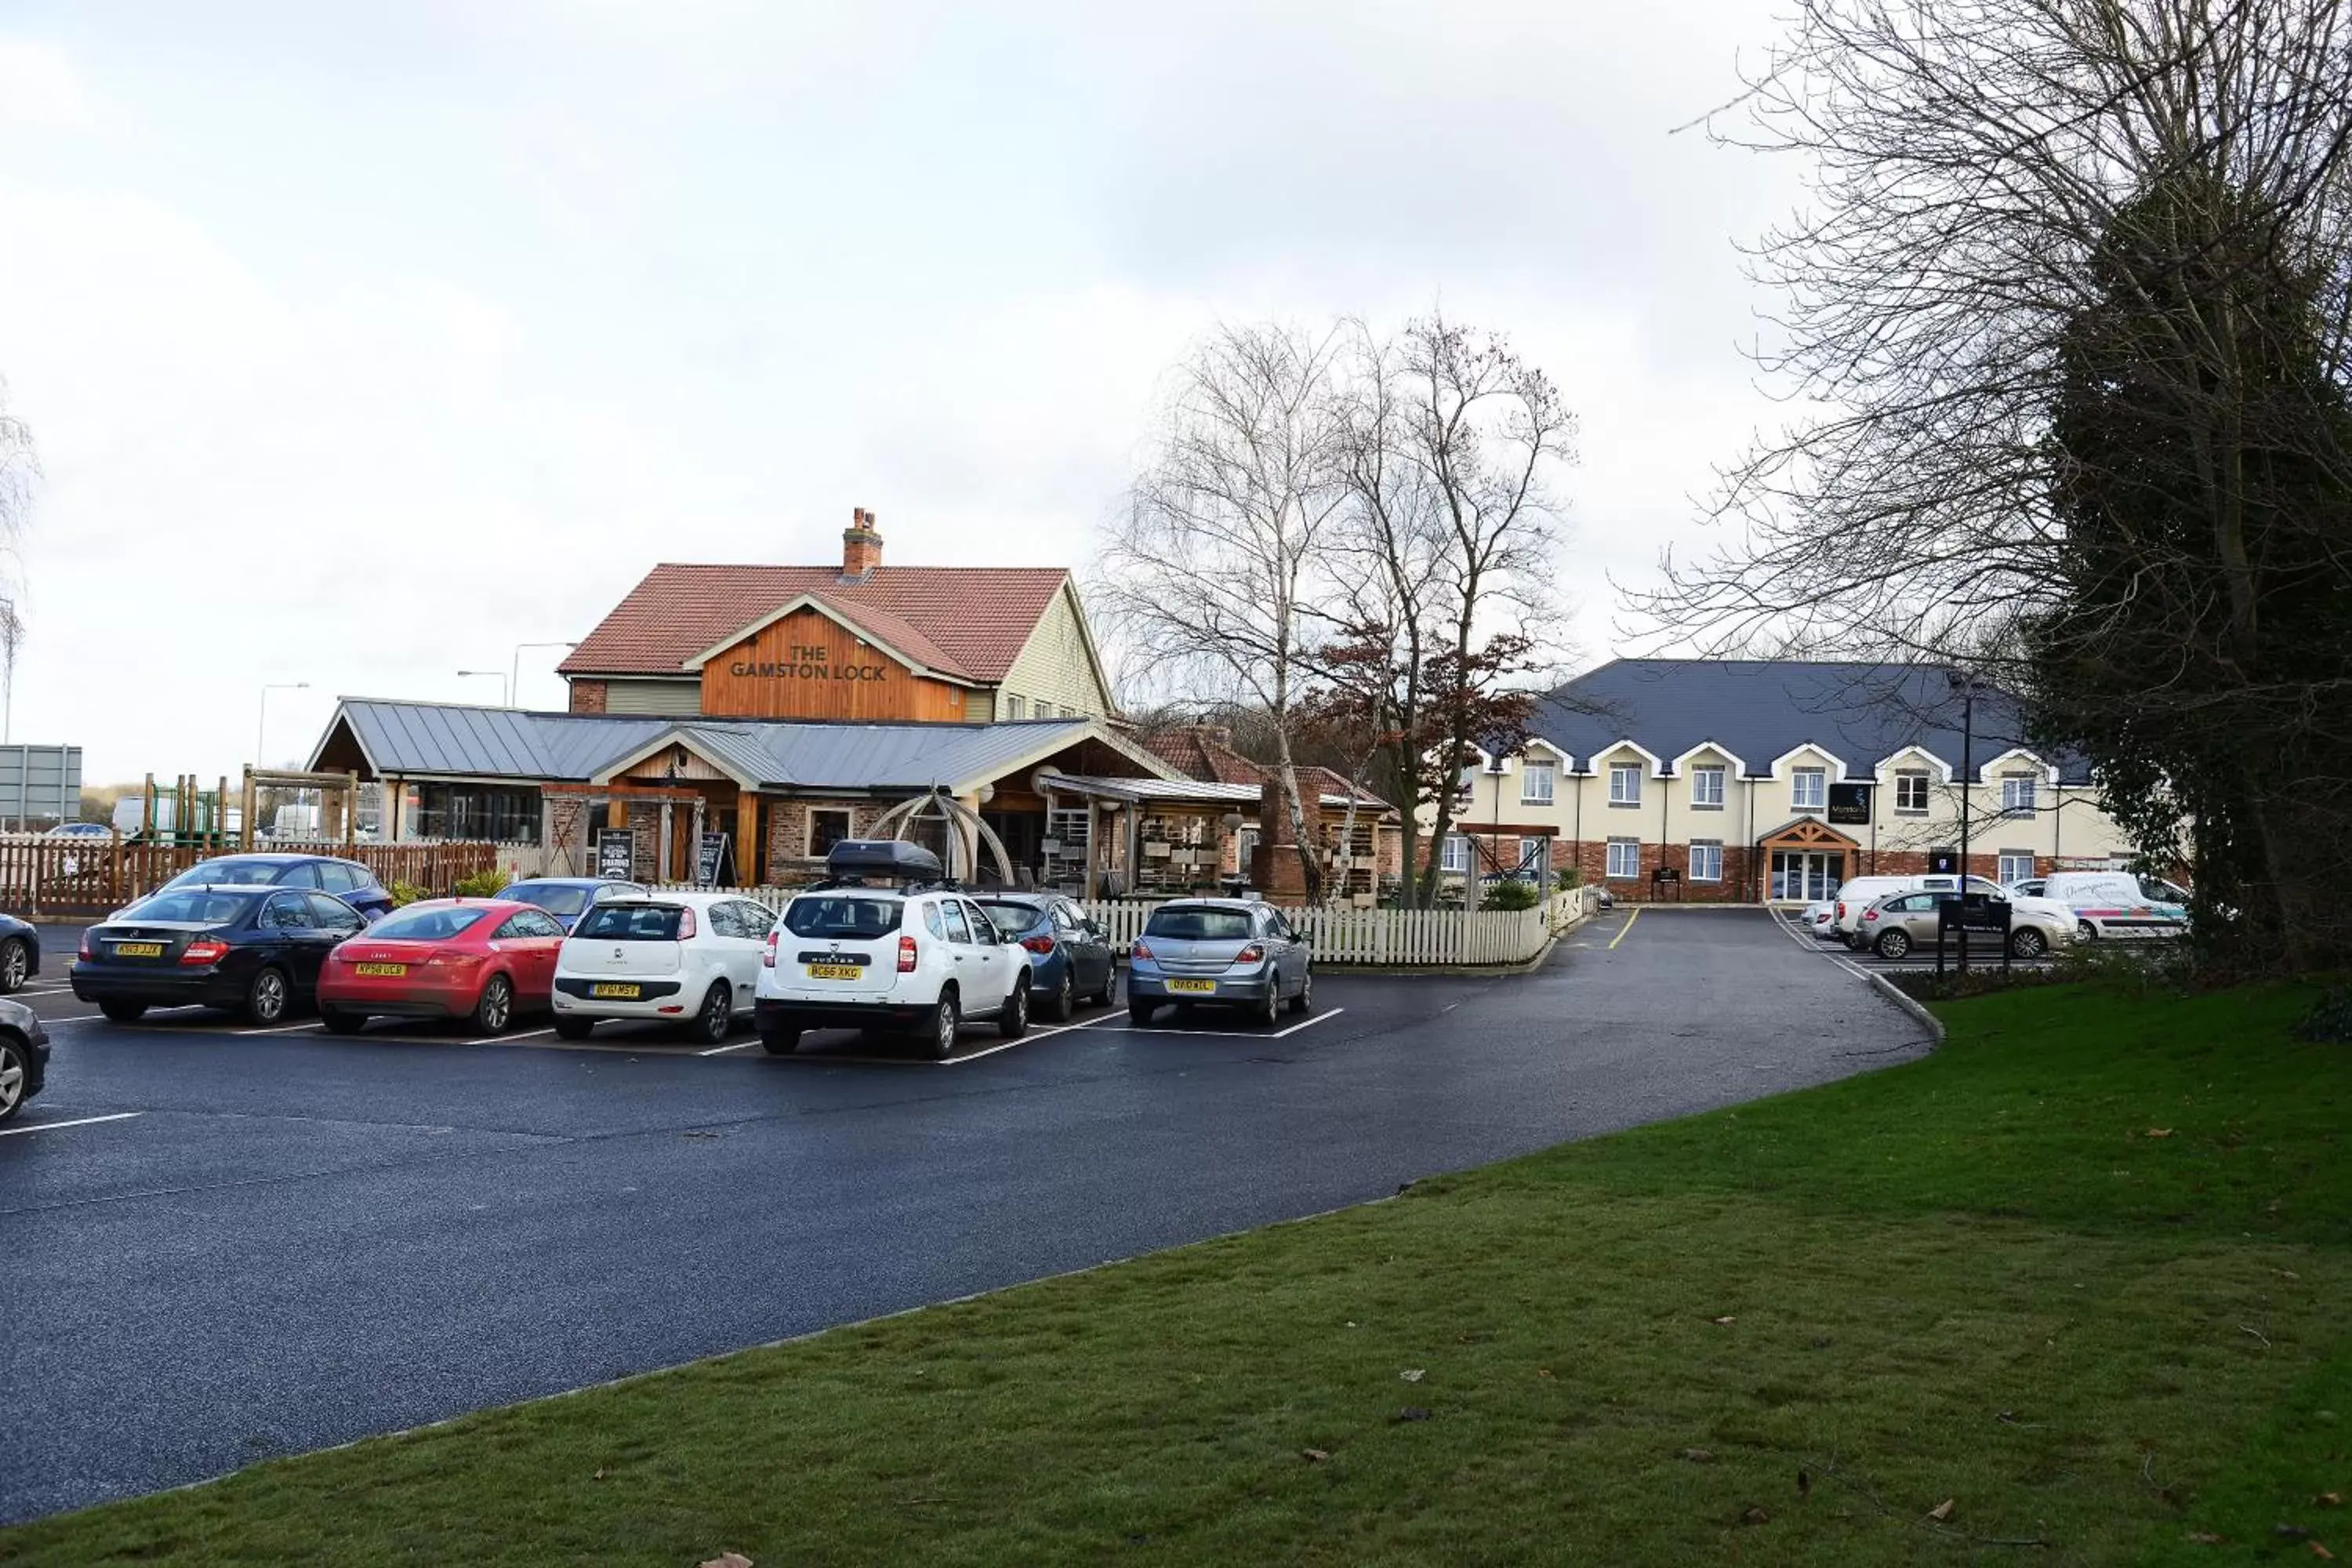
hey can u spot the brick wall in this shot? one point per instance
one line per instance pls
(1591, 856)
(788, 827)
(588, 696)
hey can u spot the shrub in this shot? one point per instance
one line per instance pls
(1513, 895)
(1569, 877)
(406, 892)
(2329, 1022)
(486, 884)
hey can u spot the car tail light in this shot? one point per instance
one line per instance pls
(1136, 949)
(205, 950)
(906, 955)
(1841, 909)
(768, 953)
(83, 952)
(1039, 944)
(1868, 916)
(685, 925)
(1253, 954)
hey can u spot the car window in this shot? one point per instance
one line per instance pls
(427, 925)
(552, 897)
(959, 928)
(850, 916)
(229, 873)
(301, 874)
(509, 927)
(1065, 918)
(759, 919)
(536, 924)
(933, 921)
(333, 914)
(983, 930)
(632, 923)
(287, 912)
(1276, 926)
(1199, 924)
(721, 917)
(192, 906)
(338, 877)
(1010, 916)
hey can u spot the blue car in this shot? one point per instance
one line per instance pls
(345, 880)
(569, 897)
(1070, 958)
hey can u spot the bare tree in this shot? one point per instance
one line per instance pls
(1211, 571)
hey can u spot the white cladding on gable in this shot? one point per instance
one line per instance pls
(1058, 665)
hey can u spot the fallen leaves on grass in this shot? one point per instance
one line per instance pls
(2159, 1132)
(1726, 1321)
(1314, 1456)
(1413, 1373)
(729, 1560)
(1755, 1515)
(1942, 1512)
(1699, 1455)
(2328, 1499)
(2203, 1537)
(2319, 1551)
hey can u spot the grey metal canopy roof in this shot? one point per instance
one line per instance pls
(1204, 791)
(1760, 709)
(452, 740)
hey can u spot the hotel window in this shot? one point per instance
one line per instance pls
(2017, 794)
(1911, 794)
(2015, 866)
(1625, 784)
(826, 829)
(1707, 789)
(1624, 860)
(1456, 855)
(1016, 707)
(1534, 858)
(1535, 784)
(1707, 860)
(1810, 789)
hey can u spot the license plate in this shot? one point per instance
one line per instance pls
(837, 972)
(616, 993)
(137, 950)
(388, 971)
(1191, 985)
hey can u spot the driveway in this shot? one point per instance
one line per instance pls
(281, 1241)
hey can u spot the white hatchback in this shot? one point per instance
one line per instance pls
(690, 959)
(880, 957)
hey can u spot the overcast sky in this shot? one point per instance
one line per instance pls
(360, 351)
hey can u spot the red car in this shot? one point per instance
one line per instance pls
(481, 959)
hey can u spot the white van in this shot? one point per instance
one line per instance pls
(2119, 904)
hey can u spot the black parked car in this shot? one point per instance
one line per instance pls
(20, 954)
(255, 950)
(1071, 958)
(347, 879)
(24, 1056)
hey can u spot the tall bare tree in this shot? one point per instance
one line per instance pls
(1222, 547)
(18, 468)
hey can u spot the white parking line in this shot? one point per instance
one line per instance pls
(281, 1028)
(1307, 1024)
(1177, 1034)
(78, 1121)
(504, 1039)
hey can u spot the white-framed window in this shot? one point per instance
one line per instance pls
(1624, 860)
(1534, 858)
(1016, 707)
(1707, 860)
(2017, 794)
(1707, 788)
(1625, 784)
(1911, 793)
(1454, 853)
(1809, 789)
(1535, 784)
(2015, 866)
(1069, 711)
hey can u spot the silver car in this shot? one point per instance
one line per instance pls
(1892, 926)
(1228, 953)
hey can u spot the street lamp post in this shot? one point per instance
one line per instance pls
(497, 675)
(514, 672)
(261, 725)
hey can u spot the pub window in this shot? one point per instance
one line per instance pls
(2016, 865)
(1707, 788)
(1706, 859)
(1810, 789)
(1625, 784)
(1911, 794)
(1624, 860)
(1455, 856)
(1016, 707)
(1535, 784)
(826, 829)
(2017, 794)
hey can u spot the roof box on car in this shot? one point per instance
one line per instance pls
(882, 860)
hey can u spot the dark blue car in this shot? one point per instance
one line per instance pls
(345, 880)
(1070, 958)
(568, 898)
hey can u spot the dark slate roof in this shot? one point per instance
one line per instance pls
(1760, 709)
(455, 740)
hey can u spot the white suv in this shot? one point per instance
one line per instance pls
(678, 958)
(905, 957)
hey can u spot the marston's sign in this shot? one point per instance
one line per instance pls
(807, 663)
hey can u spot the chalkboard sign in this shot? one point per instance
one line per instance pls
(616, 849)
(714, 861)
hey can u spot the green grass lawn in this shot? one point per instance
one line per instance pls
(2082, 1275)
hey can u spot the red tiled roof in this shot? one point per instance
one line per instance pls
(1202, 758)
(976, 619)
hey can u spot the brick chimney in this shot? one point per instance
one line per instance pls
(861, 546)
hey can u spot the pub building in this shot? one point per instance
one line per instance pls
(734, 721)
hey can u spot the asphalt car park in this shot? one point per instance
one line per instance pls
(223, 1245)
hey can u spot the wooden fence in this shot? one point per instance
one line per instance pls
(41, 875)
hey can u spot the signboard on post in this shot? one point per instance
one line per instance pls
(1849, 805)
(714, 861)
(617, 850)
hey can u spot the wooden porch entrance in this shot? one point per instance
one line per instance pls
(1805, 861)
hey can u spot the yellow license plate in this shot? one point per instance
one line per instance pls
(137, 950)
(388, 971)
(837, 972)
(616, 993)
(1191, 985)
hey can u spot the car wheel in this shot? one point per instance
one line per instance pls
(495, 1010)
(16, 1073)
(1269, 1008)
(1140, 1012)
(1062, 1001)
(2085, 932)
(123, 1012)
(16, 965)
(780, 1042)
(1893, 943)
(574, 1028)
(1012, 1018)
(339, 1022)
(716, 1019)
(944, 1019)
(266, 998)
(1304, 1000)
(1108, 995)
(2028, 943)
